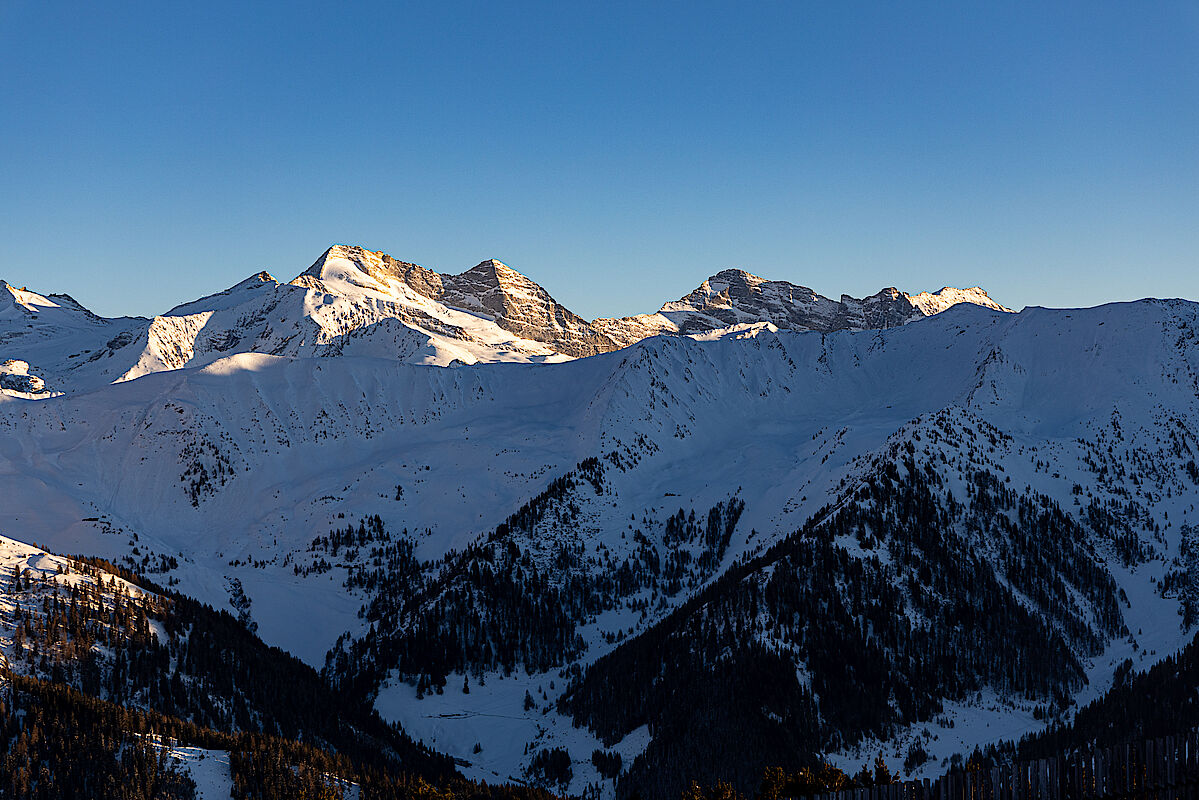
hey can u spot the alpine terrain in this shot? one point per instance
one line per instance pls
(379, 519)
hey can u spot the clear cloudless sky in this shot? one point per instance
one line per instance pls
(617, 153)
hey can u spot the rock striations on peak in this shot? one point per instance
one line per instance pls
(491, 289)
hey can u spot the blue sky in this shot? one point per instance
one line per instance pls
(617, 153)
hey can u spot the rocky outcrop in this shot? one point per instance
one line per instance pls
(16, 377)
(519, 305)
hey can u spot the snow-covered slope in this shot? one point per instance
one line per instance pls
(87, 625)
(30, 578)
(491, 290)
(506, 555)
(54, 338)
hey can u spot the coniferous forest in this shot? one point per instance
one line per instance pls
(61, 744)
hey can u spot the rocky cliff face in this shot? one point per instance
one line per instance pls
(15, 376)
(491, 289)
(735, 297)
(519, 305)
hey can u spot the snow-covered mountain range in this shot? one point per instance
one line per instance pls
(756, 526)
(355, 302)
(734, 297)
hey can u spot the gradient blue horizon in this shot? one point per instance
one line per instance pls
(617, 154)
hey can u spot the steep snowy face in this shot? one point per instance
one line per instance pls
(489, 313)
(377, 271)
(235, 295)
(735, 297)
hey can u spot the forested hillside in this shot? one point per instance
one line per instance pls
(865, 620)
(59, 743)
(88, 638)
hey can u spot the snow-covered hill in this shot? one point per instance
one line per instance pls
(489, 549)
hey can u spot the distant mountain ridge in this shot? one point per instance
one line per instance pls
(358, 302)
(735, 297)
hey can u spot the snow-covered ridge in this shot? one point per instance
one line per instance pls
(735, 297)
(31, 302)
(929, 303)
(352, 301)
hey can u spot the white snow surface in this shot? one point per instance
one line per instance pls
(209, 769)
